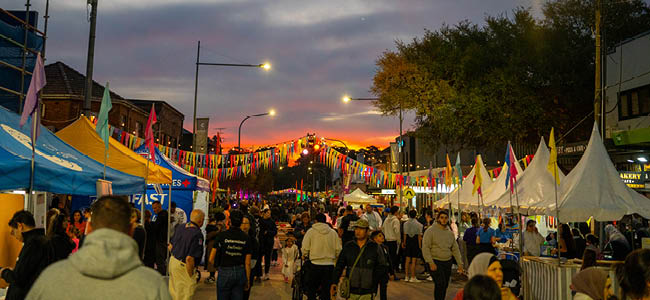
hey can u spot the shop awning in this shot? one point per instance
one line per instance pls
(82, 136)
(59, 168)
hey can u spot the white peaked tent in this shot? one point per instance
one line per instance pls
(498, 187)
(465, 191)
(359, 197)
(594, 188)
(535, 186)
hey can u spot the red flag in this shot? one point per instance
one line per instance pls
(148, 133)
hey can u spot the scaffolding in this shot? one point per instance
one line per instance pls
(20, 42)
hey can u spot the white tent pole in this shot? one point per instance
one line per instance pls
(557, 213)
(168, 224)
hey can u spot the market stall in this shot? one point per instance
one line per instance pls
(358, 197)
(463, 195)
(58, 167)
(187, 190)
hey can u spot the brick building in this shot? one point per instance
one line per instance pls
(63, 99)
(168, 129)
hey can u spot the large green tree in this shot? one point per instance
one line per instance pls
(512, 78)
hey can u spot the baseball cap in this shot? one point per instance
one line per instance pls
(362, 223)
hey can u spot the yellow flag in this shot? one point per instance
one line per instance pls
(552, 161)
(478, 179)
(448, 172)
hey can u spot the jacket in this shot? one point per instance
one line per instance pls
(160, 228)
(392, 229)
(367, 272)
(62, 246)
(321, 244)
(106, 267)
(268, 231)
(34, 257)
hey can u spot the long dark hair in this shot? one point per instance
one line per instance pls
(567, 237)
(486, 224)
(634, 274)
(588, 259)
(81, 217)
(57, 228)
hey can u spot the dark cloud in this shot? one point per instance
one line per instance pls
(319, 50)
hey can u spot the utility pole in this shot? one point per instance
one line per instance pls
(597, 60)
(196, 88)
(90, 57)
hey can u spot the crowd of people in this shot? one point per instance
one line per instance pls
(338, 251)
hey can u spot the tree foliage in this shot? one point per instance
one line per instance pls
(512, 78)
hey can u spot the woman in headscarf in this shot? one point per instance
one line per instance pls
(589, 284)
(489, 265)
(616, 243)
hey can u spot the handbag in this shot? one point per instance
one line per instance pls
(344, 285)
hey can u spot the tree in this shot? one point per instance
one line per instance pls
(511, 79)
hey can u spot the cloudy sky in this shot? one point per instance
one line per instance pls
(319, 51)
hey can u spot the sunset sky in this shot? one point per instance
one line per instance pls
(319, 51)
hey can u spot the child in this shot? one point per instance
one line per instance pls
(276, 248)
(289, 257)
(74, 235)
(378, 237)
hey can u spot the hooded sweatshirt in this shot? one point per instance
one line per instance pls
(106, 267)
(322, 245)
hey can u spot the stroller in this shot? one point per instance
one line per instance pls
(299, 284)
(512, 273)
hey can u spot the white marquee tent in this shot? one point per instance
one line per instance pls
(594, 189)
(465, 191)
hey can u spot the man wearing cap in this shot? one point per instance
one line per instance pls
(365, 274)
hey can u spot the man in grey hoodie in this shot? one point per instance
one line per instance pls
(321, 245)
(107, 266)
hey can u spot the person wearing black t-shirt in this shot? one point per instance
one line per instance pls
(232, 254)
(347, 225)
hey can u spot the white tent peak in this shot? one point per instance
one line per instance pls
(466, 197)
(594, 188)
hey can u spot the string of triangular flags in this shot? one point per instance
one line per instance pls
(229, 166)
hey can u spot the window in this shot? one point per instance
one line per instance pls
(122, 121)
(634, 103)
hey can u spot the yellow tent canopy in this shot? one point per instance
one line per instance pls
(82, 136)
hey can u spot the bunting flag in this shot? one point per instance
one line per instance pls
(478, 180)
(552, 161)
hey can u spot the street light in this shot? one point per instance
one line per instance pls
(265, 66)
(347, 99)
(271, 113)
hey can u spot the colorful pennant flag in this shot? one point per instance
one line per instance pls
(459, 170)
(102, 117)
(552, 161)
(478, 179)
(148, 134)
(30, 108)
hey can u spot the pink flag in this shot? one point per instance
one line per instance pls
(148, 134)
(31, 99)
(513, 170)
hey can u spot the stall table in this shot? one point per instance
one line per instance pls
(544, 279)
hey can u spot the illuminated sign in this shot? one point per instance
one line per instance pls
(634, 180)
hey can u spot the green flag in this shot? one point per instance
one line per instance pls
(459, 171)
(102, 118)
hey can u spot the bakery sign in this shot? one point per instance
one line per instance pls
(634, 180)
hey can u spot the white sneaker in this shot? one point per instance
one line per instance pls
(415, 280)
(407, 279)
(266, 277)
(429, 278)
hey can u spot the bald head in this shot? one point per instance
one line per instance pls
(197, 216)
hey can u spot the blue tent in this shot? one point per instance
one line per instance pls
(58, 168)
(183, 185)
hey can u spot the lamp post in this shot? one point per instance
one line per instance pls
(271, 113)
(347, 99)
(265, 66)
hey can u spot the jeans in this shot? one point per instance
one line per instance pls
(383, 285)
(441, 277)
(231, 282)
(267, 258)
(161, 259)
(319, 279)
(392, 252)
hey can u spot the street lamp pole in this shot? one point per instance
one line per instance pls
(272, 112)
(401, 141)
(264, 66)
